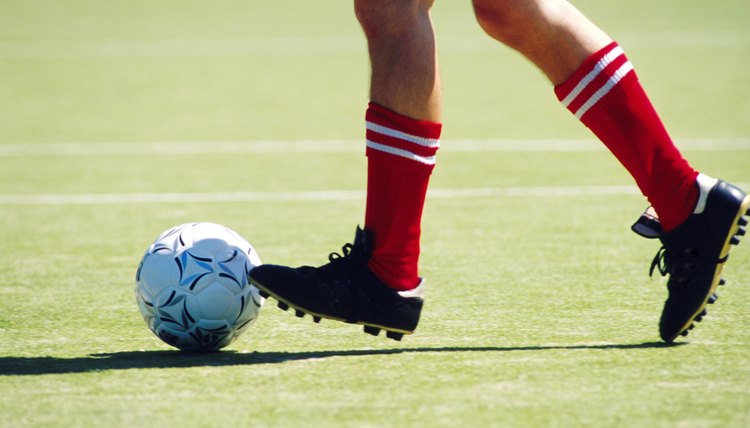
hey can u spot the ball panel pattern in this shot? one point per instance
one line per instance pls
(192, 288)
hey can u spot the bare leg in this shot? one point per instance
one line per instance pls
(552, 34)
(401, 44)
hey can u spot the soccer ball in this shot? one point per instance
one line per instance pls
(192, 287)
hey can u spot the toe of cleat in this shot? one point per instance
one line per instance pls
(372, 330)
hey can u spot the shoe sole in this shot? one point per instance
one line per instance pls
(369, 328)
(733, 238)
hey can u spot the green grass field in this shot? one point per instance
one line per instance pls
(539, 310)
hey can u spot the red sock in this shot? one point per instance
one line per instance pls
(400, 158)
(604, 93)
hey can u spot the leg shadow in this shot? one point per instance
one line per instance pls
(25, 366)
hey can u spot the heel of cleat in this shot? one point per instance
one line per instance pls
(372, 330)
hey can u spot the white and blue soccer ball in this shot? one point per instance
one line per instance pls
(192, 287)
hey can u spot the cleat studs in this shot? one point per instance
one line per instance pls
(395, 336)
(692, 326)
(372, 330)
(742, 221)
(734, 241)
(704, 312)
(699, 318)
(684, 333)
(316, 320)
(714, 297)
(298, 313)
(741, 231)
(722, 281)
(263, 294)
(283, 306)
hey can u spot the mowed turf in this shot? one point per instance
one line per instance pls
(539, 310)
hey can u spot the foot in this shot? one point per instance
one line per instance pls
(694, 254)
(345, 290)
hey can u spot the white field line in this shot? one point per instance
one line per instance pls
(317, 46)
(186, 47)
(312, 196)
(177, 148)
(316, 196)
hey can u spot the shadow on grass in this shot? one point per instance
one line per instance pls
(20, 366)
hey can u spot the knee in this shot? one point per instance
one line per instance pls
(389, 17)
(503, 20)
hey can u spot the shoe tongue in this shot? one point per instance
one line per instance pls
(647, 226)
(362, 245)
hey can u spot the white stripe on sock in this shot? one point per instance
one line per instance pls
(427, 160)
(598, 69)
(604, 90)
(424, 142)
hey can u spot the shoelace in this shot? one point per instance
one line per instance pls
(662, 261)
(347, 253)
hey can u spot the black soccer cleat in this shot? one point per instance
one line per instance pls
(694, 253)
(344, 290)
